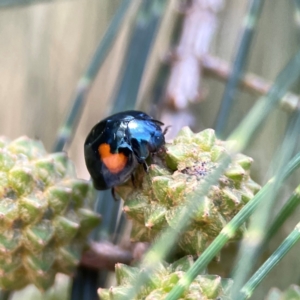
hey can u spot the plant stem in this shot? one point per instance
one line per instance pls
(273, 260)
(252, 122)
(86, 81)
(140, 44)
(161, 248)
(239, 140)
(252, 242)
(283, 215)
(86, 281)
(229, 230)
(143, 33)
(297, 12)
(197, 30)
(241, 137)
(239, 65)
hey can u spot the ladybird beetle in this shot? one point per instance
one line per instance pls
(116, 145)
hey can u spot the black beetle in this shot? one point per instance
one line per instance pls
(116, 145)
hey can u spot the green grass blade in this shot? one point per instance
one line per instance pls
(228, 231)
(86, 81)
(215, 247)
(252, 242)
(120, 229)
(162, 247)
(287, 210)
(297, 11)
(241, 137)
(240, 62)
(143, 33)
(252, 122)
(140, 45)
(273, 260)
(86, 281)
(108, 208)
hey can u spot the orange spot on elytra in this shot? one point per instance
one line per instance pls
(114, 162)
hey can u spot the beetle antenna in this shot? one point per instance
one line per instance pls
(166, 129)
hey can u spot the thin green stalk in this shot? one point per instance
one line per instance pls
(86, 281)
(297, 4)
(273, 260)
(283, 215)
(215, 247)
(65, 132)
(140, 44)
(240, 138)
(108, 208)
(164, 244)
(143, 33)
(254, 119)
(297, 11)
(228, 231)
(120, 229)
(252, 242)
(239, 64)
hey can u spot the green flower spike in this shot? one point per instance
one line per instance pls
(157, 198)
(163, 280)
(45, 214)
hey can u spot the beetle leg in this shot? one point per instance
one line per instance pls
(133, 180)
(146, 167)
(113, 193)
(143, 162)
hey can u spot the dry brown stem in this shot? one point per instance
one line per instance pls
(218, 68)
(104, 255)
(199, 25)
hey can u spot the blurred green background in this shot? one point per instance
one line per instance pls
(45, 48)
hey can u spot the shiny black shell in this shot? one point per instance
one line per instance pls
(130, 137)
